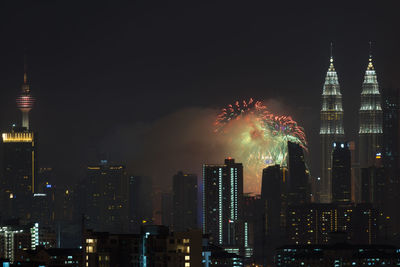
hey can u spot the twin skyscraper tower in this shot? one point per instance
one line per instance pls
(332, 129)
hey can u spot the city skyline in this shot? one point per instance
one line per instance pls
(211, 134)
(73, 91)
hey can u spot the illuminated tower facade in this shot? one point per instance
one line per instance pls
(370, 119)
(331, 128)
(19, 163)
(222, 204)
(25, 101)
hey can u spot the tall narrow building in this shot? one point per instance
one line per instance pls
(341, 172)
(298, 191)
(140, 202)
(222, 204)
(370, 119)
(391, 153)
(107, 205)
(184, 201)
(19, 163)
(273, 210)
(331, 128)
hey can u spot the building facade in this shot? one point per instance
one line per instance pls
(331, 128)
(341, 172)
(391, 153)
(184, 201)
(298, 184)
(222, 204)
(370, 119)
(19, 162)
(342, 254)
(107, 207)
(140, 202)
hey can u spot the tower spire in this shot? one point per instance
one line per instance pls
(370, 65)
(370, 117)
(25, 69)
(370, 49)
(25, 86)
(331, 67)
(331, 128)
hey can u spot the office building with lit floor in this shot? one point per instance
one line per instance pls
(19, 162)
(222, 204)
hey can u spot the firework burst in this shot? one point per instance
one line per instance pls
(257, 138)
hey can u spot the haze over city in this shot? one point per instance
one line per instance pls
(139, 93)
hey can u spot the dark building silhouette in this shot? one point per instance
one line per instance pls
(184, 201)
(373, 183)
(140, 202)
(70, 257)
(391, 154)
(274, 204)
(43, 208)
(391, 133)
(107, 205)
(166, 209)
(253, 225)
(341, 172)
(331, 128)
(339, 254)
(222, 204)
(297, 184)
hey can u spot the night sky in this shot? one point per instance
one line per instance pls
(103, 72)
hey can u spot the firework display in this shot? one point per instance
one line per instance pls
(257, 138)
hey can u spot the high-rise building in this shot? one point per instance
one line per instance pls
(274, 204)
(331, 128)
(391, 131)
(271, 196)
(391, 153)
(373, 186)
(370, 119)
(222, 204)
(313, 223)
(252, 218)
(355, 176)
(298, 191)
(17, 237)
(19, 162)
(166, 209)
(107, 207)
(341, 172)
(140, 202)
(184, 201)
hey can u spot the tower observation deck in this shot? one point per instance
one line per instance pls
(25, 101)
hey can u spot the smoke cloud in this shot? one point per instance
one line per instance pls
(182, 140)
